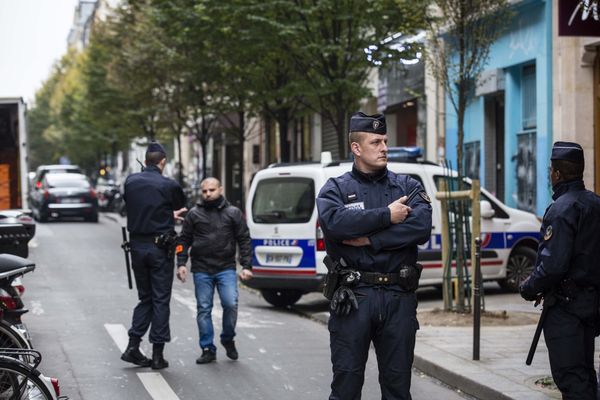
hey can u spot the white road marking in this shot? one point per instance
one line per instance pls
(251, 336)
(262, 351)
(36, 308)
(276, 367)
(153, 382)
(157, 386)
(119, 335)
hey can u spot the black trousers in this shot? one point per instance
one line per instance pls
(386, 317)
(153, 270)
(569, 331)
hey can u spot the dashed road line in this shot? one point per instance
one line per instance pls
(157, 386)
(154, 383)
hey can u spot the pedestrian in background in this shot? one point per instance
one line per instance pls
(153, 204)
(371, 232)
(567, 274)
(214, 230)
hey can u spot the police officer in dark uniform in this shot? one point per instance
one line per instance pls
(372, 230)
(153, 203)
(567, 274)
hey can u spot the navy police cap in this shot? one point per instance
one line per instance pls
(155, 147)
(360, 122)
(568, 151)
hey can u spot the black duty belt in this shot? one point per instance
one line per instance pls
(136, 237)
(376, 278)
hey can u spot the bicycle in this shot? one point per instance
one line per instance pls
(20, 380)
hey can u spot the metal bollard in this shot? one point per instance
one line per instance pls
(477, 300)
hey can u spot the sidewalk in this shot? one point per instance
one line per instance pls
(446, 354)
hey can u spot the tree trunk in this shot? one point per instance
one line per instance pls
(241, 141)
(284, 145)
(342, 134)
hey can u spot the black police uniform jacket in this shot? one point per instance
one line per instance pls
(213, 231)
(150, 199)
(570, 240)
(355, 205)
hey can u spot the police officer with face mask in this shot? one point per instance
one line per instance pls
(153, 203)
(373, 219)
(567, 274)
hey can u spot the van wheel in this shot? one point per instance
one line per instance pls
(281, 298)
(520, 265)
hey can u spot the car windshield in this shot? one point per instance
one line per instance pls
(283, 201)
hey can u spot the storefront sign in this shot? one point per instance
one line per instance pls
(579, 17)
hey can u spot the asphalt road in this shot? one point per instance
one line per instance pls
(80, 309)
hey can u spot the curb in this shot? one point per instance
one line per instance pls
(460, 382)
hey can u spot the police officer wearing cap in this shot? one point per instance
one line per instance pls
(371, 231)
(567, 274)
(153, 203)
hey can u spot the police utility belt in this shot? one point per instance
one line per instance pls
(164, 240)
(338, 274)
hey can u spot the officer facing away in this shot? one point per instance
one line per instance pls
(567, 274)
(153, 203)
(371, 234)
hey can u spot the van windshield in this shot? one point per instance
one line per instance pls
(283, 201)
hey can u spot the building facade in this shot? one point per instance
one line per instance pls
(576, 77)
(508, 123)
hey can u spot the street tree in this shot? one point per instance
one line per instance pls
(461, 34)
(339, 42)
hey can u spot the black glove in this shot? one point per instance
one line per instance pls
(526, 292)
(343, 301)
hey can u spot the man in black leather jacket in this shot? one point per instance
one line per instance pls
(214, 229)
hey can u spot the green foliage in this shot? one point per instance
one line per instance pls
(159, 68)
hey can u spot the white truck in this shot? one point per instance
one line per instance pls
(13, 154)
(16, 225)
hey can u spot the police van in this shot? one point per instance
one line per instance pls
(288, 246)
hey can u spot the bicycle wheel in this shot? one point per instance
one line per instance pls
(18, 381)
(11, 339)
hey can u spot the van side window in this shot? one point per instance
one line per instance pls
(283, 201)
(498, 211)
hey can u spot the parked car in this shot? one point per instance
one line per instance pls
(19, 216)
(65, 195)
(14, 239)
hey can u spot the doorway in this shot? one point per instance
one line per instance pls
(494, 144)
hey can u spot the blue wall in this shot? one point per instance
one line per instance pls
(527, 41)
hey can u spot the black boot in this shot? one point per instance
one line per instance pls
(230, 349)
(158, 361)
(207, 356)
(133, 354)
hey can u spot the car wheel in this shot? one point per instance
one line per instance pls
(281, 298)
(42, 217)
(92, 218)
(520, 265)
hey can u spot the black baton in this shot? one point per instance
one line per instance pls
(126, 249)
(548, 302)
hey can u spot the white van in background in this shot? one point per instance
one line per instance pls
(288, 247)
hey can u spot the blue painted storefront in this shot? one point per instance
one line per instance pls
(525, 46)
